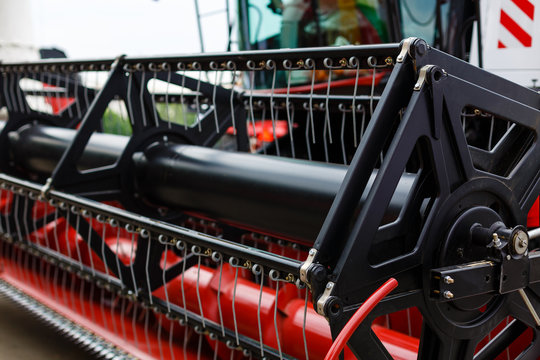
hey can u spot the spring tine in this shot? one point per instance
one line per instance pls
(327, 106)
(275, 318)
(491, 128)
(128, 96)
(171, 334)
(103, 233)
(86, 84)
(117, 257)
(132, 263)
(19, 234)
(251, 113)
(57, 243)
(141, 97)
(167, 97)
(216, 346)
(219, 295)
(233, 302)
(66, 94)
(259, 271)
(362, 128)
(184, 120)
(164, 279)
(325, 143)
(149, 348)
(198, 253)
(263, 120)
(77, 100)
(231, 99)
(272, 66)
(82, 282)
(25, 219)
(288, 111)
(13, 91)
(199, 347)
(214, 104)
(20, 94)
(147, 264)
(354, 61)
(89, 244)
(156, 117)
(122, 318)
(185, 342)
(304, 324)
(57, 92)
(372, 92)
(134, 307)
(77, 224)
(6, 92)
(197, 95)
(314, 71)
(160, 320)
(343, 115)
(16, 93)
(184, 257)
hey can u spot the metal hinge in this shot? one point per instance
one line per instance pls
(305, 266)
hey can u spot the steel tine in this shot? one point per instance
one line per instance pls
(129, 90)
(304, 324)
(171, 338)
(167, 109)
(288, 66)
(7, 96)
(271, 65)
(160, 323)
(140, 68)
(77, 100)
(154, 68)
(274, 275)
(214, 89)
(66, 93)
(197, 251)
(231, 65)
(258, 271)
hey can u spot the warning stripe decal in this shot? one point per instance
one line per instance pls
(515, 29)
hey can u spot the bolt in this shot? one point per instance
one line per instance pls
(329, 285)
(496, 240)
(448, 280)
(312, 252)
(448, 295)
(508, 257)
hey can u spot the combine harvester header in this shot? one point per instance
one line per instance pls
(231, 222)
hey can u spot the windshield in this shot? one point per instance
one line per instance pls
(306, 23)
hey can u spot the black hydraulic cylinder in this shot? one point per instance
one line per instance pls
(272, 195)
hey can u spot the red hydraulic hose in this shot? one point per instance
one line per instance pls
(358, 317)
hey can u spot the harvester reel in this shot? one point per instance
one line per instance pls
(201, 240)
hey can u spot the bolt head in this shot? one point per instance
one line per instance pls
(448, 295)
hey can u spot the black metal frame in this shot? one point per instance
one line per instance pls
(416, 124)
(432, 122)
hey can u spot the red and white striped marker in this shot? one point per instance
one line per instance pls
(516, 23)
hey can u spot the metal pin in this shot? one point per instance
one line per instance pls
(530, 307)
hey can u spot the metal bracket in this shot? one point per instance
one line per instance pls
(306, 265)
(423, 76)
(405, 49)
(46, 188)
(324, 298)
